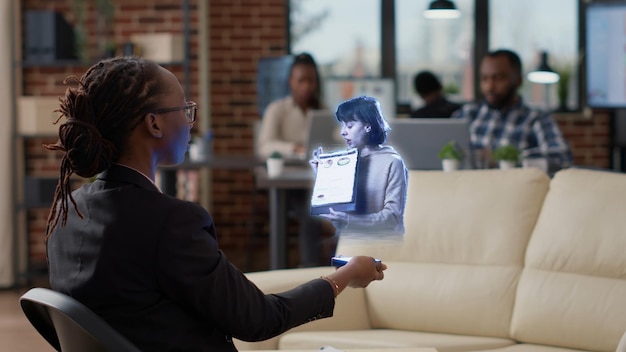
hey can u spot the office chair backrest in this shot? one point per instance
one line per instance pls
(68, 325)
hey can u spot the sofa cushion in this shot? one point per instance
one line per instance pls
(479, 217)
(457, 268)
(451, 298)
(572, 292)
(380, 339)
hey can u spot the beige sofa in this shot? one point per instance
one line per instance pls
(492, 260)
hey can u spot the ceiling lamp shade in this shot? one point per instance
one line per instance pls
(442, 9)
(543, 74)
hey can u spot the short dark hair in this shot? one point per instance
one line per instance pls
(426, 82)
(510, 55)
(367, 110)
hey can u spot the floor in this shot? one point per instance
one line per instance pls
(16, 333)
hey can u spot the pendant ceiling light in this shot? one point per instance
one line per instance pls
(544, 74)
(442, 9)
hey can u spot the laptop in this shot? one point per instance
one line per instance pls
(419, 140)
(324, 131)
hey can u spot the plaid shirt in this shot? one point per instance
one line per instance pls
(533, 132)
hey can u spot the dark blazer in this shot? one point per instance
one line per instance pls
(149, 264)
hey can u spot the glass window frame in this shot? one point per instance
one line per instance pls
(481, 46)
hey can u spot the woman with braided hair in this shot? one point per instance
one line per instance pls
(146, 262)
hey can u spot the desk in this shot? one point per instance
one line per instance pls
(293, 177)
(233, 162)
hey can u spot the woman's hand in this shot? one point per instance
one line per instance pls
(359, 272)
(338, 216)
(364, 270)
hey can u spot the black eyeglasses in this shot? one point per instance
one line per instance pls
(190, 111)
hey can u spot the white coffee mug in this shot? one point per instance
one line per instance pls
(274, 167)
(450, 165)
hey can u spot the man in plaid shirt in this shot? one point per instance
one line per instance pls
(503, 118)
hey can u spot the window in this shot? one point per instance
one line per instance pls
(441, 46)
(532, 26)
(342, 35)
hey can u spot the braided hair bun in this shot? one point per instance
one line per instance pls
(100, 112)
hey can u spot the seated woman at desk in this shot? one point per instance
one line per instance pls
(148, 263)
(284, 130)
(382, 177)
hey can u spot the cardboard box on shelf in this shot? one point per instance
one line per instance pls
(36, 116)
(160, 47)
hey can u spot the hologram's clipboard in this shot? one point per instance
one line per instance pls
(335, 183)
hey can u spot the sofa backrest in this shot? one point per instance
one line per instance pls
(457, 268)
(572, 292)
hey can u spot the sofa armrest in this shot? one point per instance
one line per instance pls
(350, 307)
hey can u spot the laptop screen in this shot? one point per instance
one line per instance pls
(324, 131)
(419, 140)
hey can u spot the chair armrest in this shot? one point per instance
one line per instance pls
(350, 312)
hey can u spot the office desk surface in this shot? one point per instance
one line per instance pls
(292, 177)
(232, 162)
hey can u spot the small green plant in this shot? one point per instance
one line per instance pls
(450, 150)
(451, 88)
(565, 74)
(276, 155)
(506, 153)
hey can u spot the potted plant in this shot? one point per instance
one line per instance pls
(507, 156)
(563, 87)
(275, 164)
(451, 156)
(452, 91)
(81, 45)
(105, 18)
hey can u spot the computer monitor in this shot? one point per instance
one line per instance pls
(604, 54)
